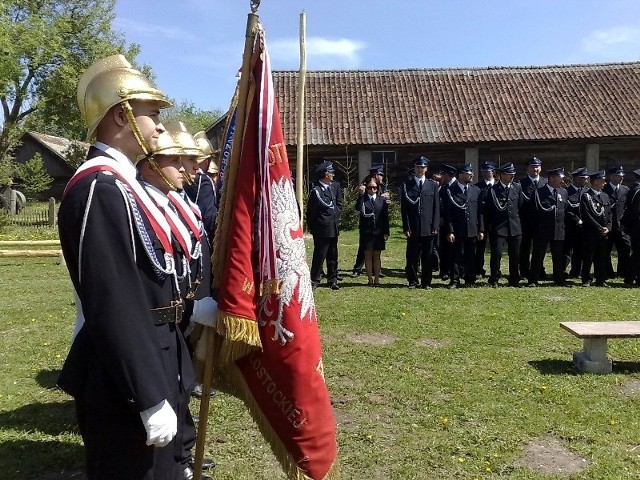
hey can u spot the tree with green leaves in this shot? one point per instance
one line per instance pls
(192, 117)
(45, 46)
(34, 179)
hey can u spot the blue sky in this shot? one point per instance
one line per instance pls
(195, 46)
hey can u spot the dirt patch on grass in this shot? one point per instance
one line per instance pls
(549, 457)
(631, 388)
(556, 298)
(432, 342)
(371, 338)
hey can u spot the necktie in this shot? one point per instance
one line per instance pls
(535, 183)
(420, 185)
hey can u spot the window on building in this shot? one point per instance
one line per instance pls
(383, 157)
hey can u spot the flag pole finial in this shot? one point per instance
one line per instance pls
(255, 4)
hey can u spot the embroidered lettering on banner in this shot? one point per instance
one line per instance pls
(285, 405)
(247, 286)
(277, 153)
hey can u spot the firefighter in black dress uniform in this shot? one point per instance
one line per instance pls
(128, 367)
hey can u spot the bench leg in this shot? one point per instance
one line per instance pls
(593, 358)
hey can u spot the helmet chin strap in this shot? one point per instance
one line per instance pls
(187, 178)
(157, 168)
(128, 111)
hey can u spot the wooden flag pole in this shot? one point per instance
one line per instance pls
(300, 137)
(223, 226)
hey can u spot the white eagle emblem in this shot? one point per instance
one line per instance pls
(291, 262)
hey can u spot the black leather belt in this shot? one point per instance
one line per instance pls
(170, 314)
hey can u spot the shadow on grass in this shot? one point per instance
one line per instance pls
(554, 367)
(48, 378)
(41, 460)
(566, 367)
(49, 418)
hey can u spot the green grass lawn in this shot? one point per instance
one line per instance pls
(436, 384)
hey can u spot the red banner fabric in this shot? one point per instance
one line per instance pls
(266, 278)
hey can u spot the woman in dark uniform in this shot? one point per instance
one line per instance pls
(373, 227)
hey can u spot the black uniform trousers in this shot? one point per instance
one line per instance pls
(633, 273)
(464, 255)
(595, 253)
(419, 253)
(445, 253)
(540, 244)
(622, 242)
(497, 243)
(325, 248)
(481, 247)
(573, 246)
(528, 230)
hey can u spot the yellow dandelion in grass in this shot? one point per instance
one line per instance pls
(460, 459)
(613, 421)
(402, 313)
(544, 388)
(526, 389)
(444, 420)
(45, 344)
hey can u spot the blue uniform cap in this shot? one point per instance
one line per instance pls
(466, 168)
(325, 167)
(508, 168)
(487, 167)
(616, 171)
(378, 169)
(580, 172)
(448, 169)
(421, 161)
(534, 161)
(598, 174)
(556, 172)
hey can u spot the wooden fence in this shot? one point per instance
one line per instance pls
(38, 216)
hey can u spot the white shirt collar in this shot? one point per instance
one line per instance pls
(534, 179)
(551, 189)
(420, 179)
(124, 161)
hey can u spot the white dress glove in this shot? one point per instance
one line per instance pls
(161, 424)
(205, 311)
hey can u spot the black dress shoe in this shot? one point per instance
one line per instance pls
(187, 474)
(207, 464)
(356, 273)
(425, 287)
(197, 391)
(603, 284)
(381, 275)
(413, 285)
(452, 286)
(334, 286)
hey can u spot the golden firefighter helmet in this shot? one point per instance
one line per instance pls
(183, 137)
(213, 168)
(108, 82)
(204, 144)
(167, 145)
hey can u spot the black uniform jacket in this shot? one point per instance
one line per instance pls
(323, 210)
(202, 193)
(631, 216)
(595, 212)
(420, 209)
(549, 221)
(462, 213)
(572, 210)
(528, 209)
(120, 351)
(502, 210)
(618, 199)
(376, 224)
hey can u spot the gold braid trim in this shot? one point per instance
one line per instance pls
(240, 336)
(270, 287)
(232, 382)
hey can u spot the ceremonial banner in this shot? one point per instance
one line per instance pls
(269, 352)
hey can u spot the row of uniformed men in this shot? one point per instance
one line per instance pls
(579, 225)
(135, 224)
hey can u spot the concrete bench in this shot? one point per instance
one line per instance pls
(593, 357)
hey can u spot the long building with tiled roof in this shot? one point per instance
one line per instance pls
(570, 115)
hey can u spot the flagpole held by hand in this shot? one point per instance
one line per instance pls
(220, 248)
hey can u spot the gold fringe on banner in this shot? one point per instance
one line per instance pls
(240, 336)
(233, 383)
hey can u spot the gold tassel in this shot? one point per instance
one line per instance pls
(240, 336)
(234, 384)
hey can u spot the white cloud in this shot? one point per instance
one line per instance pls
(617, 43)
(322, 53)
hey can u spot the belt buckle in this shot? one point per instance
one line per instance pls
(178, 309)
